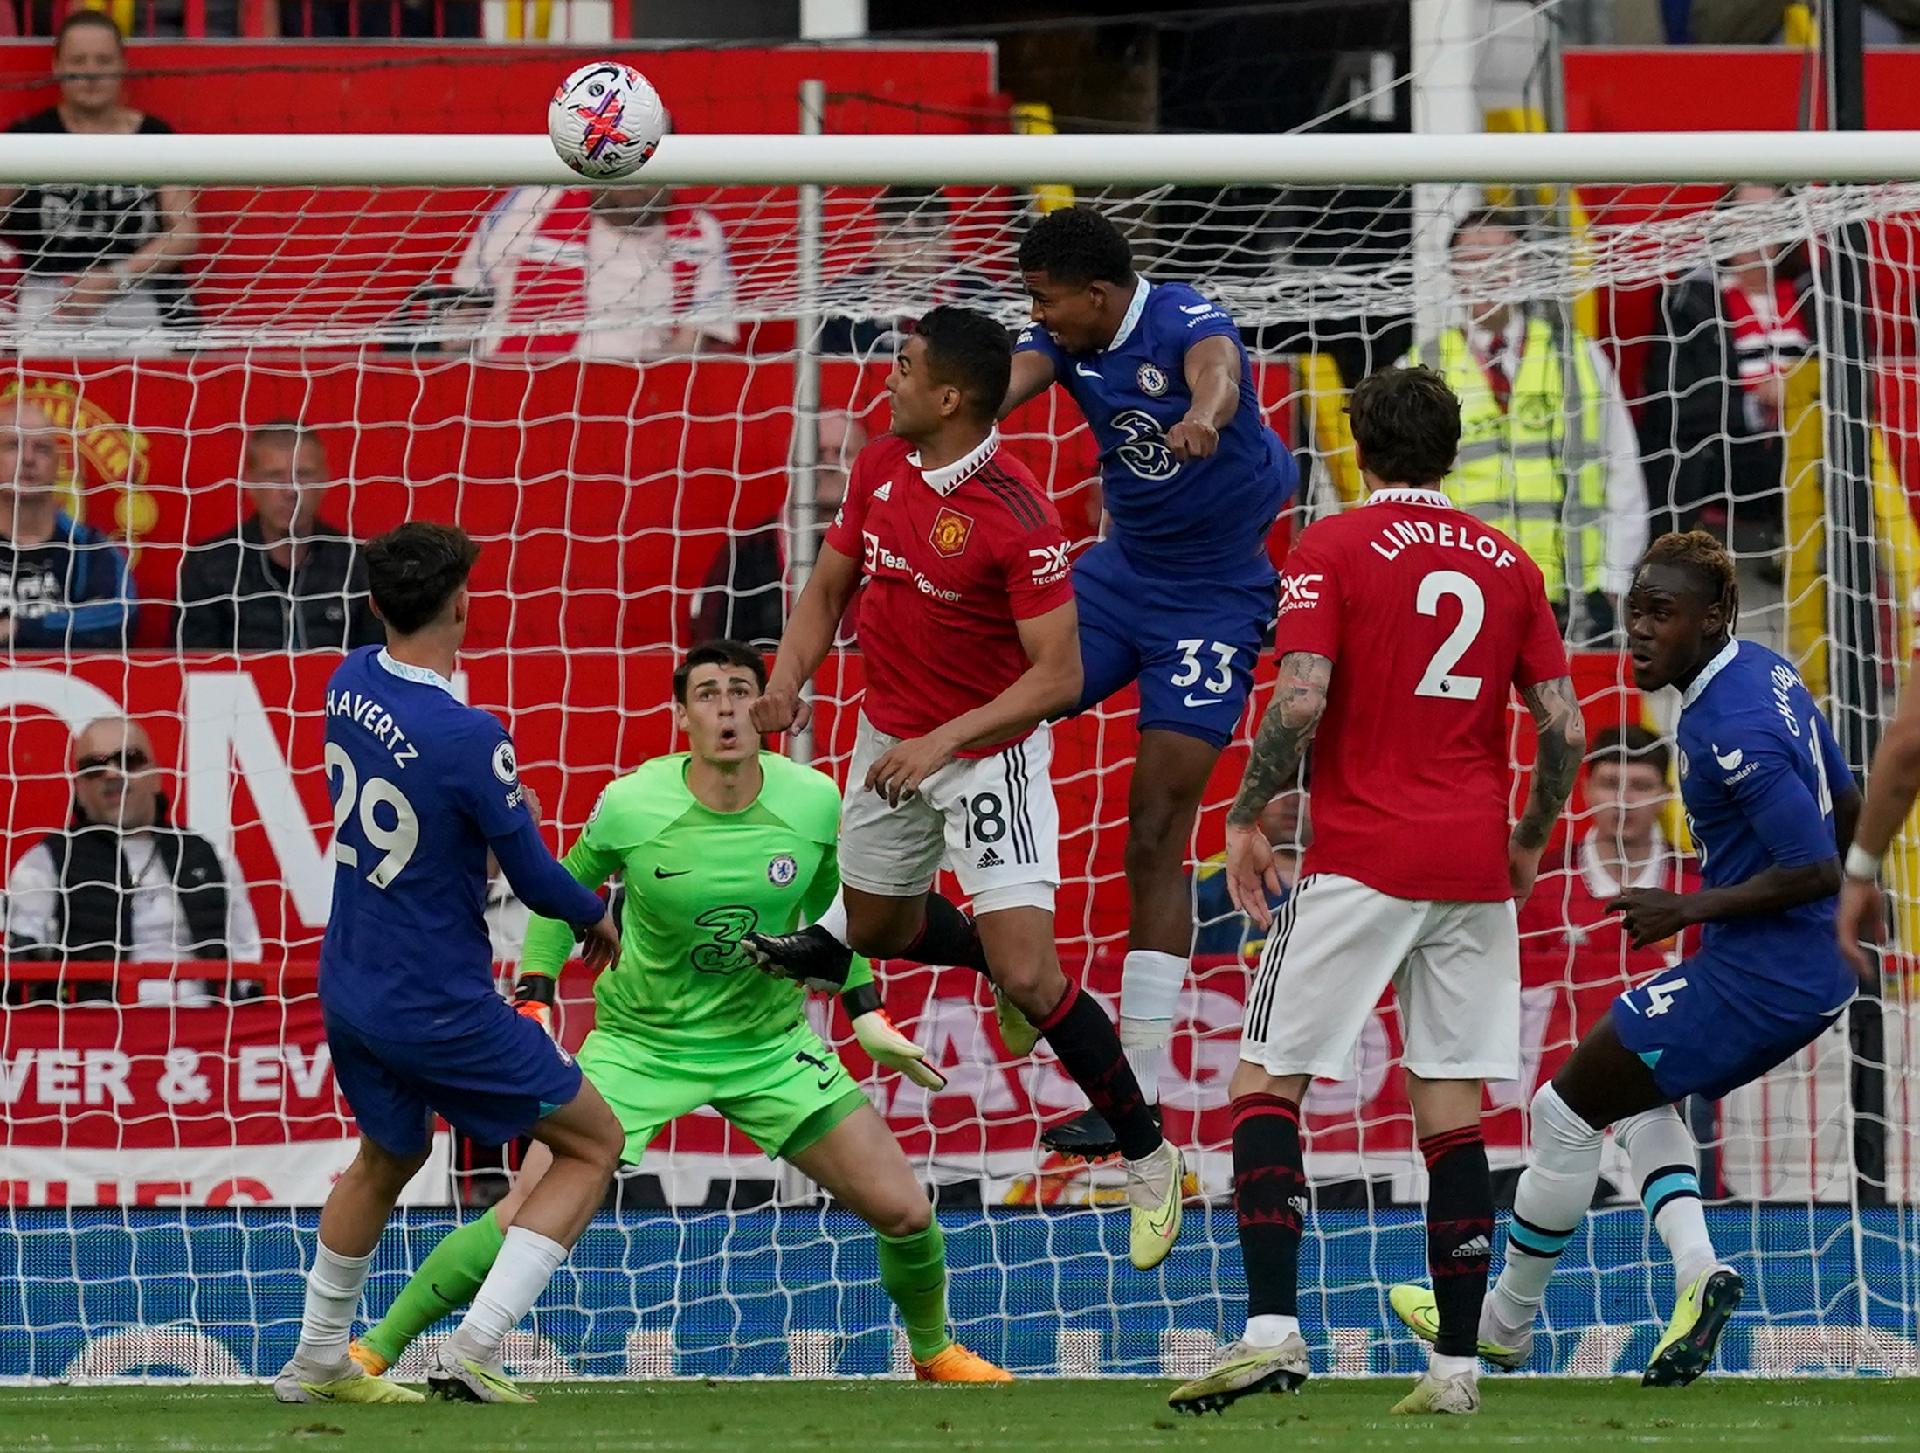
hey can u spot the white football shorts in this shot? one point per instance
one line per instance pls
(1335, 946)
(993, 820)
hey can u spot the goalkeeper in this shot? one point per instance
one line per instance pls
(711, 844)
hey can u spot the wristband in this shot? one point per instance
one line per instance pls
(863, 999)
(535, 986)
(1861, 864)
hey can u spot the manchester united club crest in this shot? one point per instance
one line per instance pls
(1152, 381)
(782, 870)
(950, 531)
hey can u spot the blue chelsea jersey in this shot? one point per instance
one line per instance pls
(422, 786)
(1759, 770)
(1204, 517)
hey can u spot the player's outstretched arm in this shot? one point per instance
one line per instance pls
(807, 639)
(1893, 782)
(1049, 687)
(1032, 376)
(1560, 744)
(1299, 701)
(1212, 371)
(550, 935)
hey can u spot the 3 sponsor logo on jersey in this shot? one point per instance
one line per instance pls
(1152, 382)
(949, 533)
(1449, 536)
(1299, 590)
(1049, 563)
(782, 870)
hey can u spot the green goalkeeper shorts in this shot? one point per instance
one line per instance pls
(784, 1094)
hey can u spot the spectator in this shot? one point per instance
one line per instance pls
(913, 267)
(99, 263)
(63, 584)
(1622, 848)
(1725, 336)
(621, 272)
(1547, 448)
(120, 883)
(744, 596)
(285, 580)
(1219, 927)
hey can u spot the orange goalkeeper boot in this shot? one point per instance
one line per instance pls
(953, 1363)
(371, 1362)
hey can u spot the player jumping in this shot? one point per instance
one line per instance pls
(1402, 626)
(968, 628)
(424, 788)
(1768, 798)
(1179, 595)
(709, 843)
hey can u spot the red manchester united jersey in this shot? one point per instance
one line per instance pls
(1429, 617)
(950, 560)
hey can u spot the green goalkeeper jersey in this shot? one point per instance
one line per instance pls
(696, 882)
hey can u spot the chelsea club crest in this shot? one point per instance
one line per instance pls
(1152, 381)
(782, 870)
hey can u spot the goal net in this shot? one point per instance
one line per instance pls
(643, 403)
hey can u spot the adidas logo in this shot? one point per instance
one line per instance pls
(1298, 1205)
(990, 859)
(1479, 1246)
(884, 492)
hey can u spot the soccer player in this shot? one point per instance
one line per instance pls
(1403, 624)
(968, 627)
(1179, 595)
(424, 789)
(709, 843)
(1765, 788)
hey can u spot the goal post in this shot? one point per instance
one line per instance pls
(635, 402)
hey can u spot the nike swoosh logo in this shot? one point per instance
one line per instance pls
(1191, 700)
(1162, 1224)
(1196, 308)
(678, 873)
(1082, 368)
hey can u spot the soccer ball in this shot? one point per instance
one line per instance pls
(605, 120)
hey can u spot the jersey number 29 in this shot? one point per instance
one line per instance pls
(397, 840)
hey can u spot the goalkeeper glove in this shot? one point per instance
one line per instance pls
(533, 999)
(884, 1043)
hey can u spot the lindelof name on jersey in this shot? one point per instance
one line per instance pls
(367, 712)
(1399, 534)
(878, 557)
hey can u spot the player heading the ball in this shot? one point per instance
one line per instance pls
(1769, 801)
(968, 626)
(1179, 595)
(1404, 626)
(424, 788)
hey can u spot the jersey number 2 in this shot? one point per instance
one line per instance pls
(398, 841)
(1439, 679)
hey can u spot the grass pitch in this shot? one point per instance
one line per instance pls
(1056, 1417)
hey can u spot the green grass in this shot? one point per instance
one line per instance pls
(1032, 1417)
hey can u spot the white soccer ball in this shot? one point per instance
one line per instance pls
(605, 120)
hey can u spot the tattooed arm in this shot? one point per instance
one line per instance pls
(1299, 699)
(1560, 738)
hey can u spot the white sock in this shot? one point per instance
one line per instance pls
(1563, 1167)
(1661, 1152)
(1270, 1330)
(333, 1295)
(1150, 985)
(1443, 1367)
(834, 920)
(526, 1263)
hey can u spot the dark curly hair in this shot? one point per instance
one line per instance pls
(1406, 425)
(414, 570)
(1077, 245)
